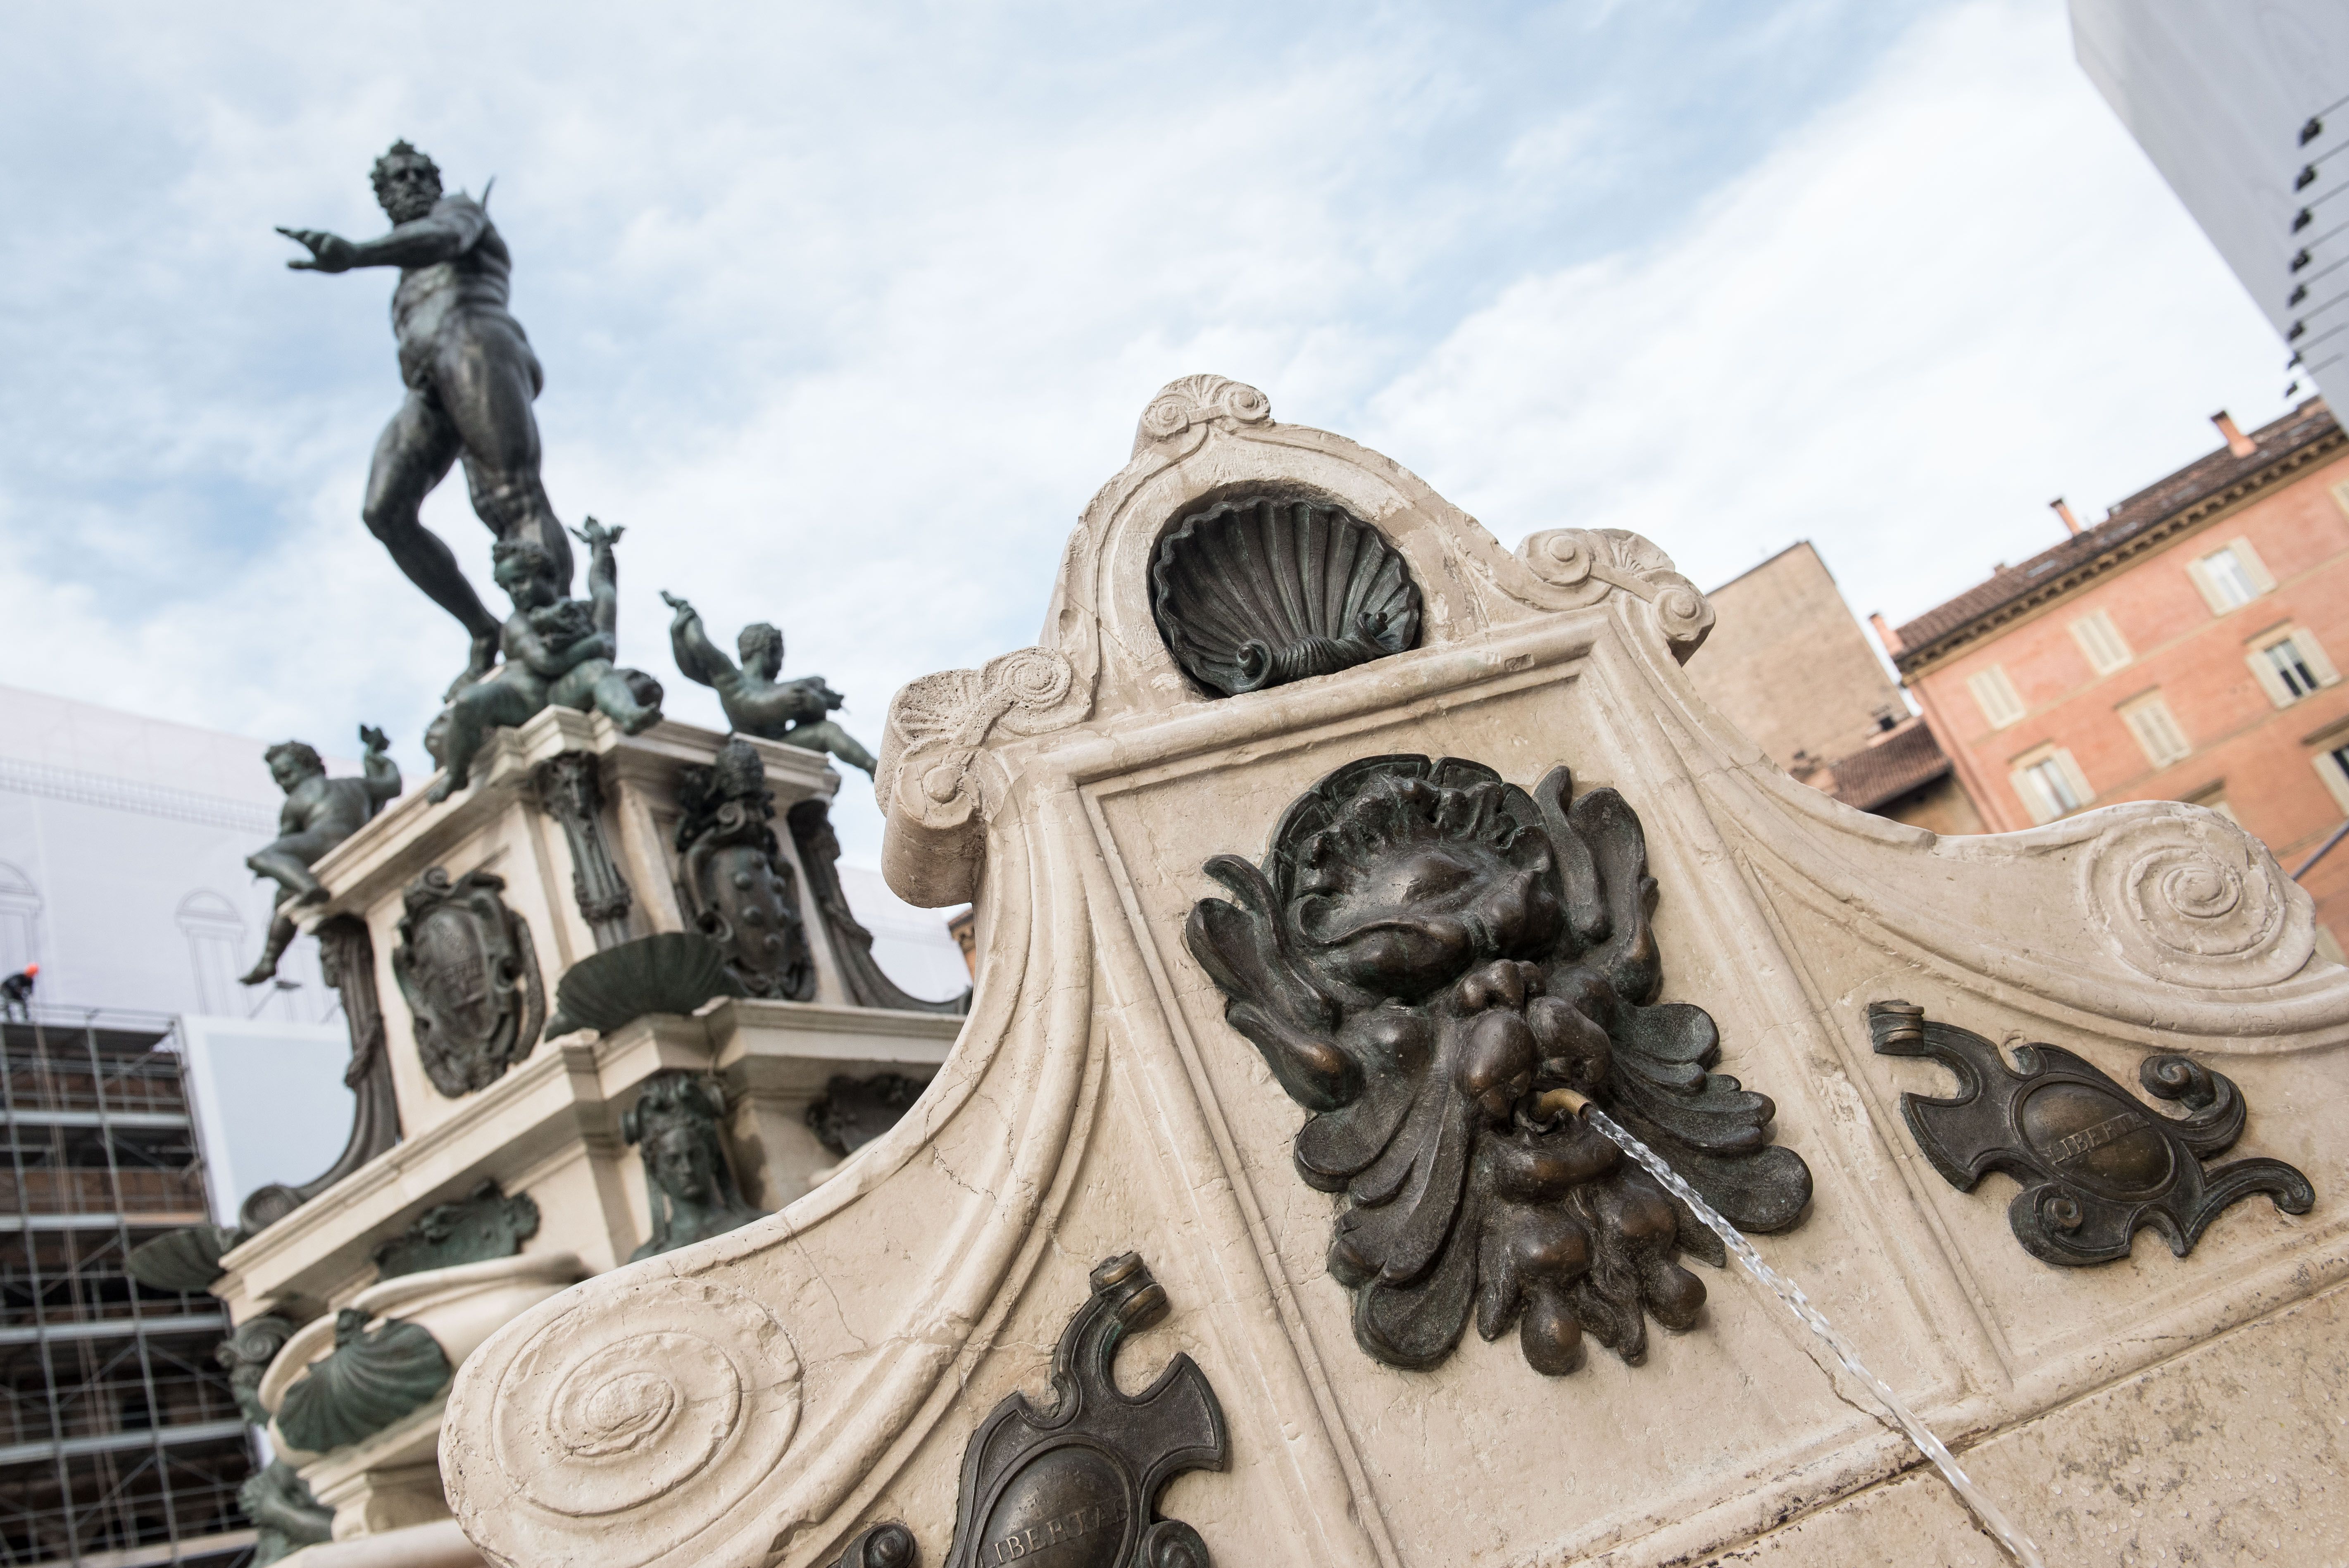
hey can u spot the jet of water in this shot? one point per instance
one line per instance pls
(1993, 1521)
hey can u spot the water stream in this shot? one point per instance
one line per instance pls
(1993, 1521)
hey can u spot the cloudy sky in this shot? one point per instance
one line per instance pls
(847, 310)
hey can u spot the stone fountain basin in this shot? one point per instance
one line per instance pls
(459, 1307)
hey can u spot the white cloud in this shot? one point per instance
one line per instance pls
(845, 312)
(1944, 300)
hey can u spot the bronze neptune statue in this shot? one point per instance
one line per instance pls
(756, 702)
(470, 378)
(319, 813)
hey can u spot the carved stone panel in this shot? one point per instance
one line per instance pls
(1443, 969)
(466, 965)
(484, 1224)
(739, 890)
(1261, 591)
(2095, 1165)
(1077, 1485)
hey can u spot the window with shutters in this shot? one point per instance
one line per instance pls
(2100, 640)
(2050, 783)
(1995, 694)
(2156, 729)
(2230, 578)
(2289, 664)
(2333, 766)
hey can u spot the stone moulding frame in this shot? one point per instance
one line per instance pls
(1000, 783)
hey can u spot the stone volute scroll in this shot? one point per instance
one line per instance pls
(466, 965)
(2095, 1166)
(1443, 968)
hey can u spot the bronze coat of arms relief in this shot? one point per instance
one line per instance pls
(737, 888)
(466, 965)
(1443, 968)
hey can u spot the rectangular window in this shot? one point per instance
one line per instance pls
(2050, 783)
(2341, 495)
(2333, 766)
(2101, 641)
(2230, 578)
(2156, 729)
(1995, 694)
(2289, 664)
(2290, 668)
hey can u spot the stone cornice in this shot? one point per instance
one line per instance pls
(1914, 663)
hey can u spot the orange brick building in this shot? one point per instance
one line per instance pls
(2182, 649)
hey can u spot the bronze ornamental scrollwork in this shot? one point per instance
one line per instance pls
(2095, 1165)
(1443, 968)
(1076, 1485)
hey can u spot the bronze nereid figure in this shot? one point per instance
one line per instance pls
(756, 702)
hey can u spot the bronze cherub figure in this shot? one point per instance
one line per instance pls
(319, 813)
(756, 702)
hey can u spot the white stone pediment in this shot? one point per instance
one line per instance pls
(760, 1396)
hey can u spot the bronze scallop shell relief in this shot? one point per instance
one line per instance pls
(365, 1384)
(668, 971)
(1262, 591)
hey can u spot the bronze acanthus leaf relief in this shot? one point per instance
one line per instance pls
(1443, 968)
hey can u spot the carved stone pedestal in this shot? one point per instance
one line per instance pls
(1312, 995)
(390, 1482)
(515, 1176)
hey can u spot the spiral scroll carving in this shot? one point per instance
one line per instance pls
(1587, 562)
(1199, 400)
(938, 724)
(694, 1387)
(2187, 898)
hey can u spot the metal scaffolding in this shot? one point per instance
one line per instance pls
(120, 1444)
